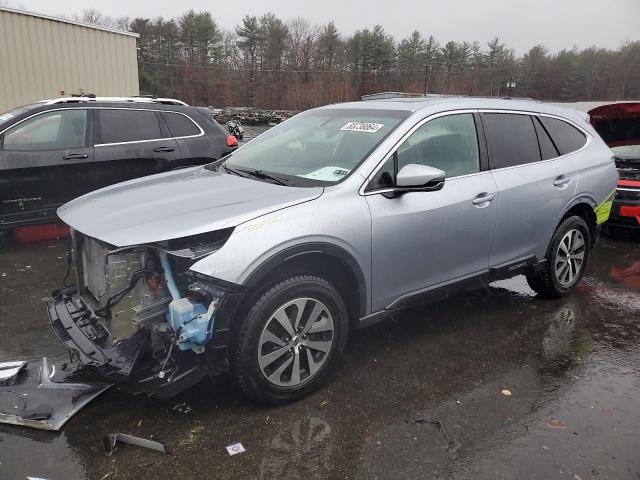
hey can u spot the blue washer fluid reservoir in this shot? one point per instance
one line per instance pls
(193, 318)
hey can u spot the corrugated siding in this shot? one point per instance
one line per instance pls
(39, 58)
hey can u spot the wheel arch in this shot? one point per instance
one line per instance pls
(582, 207)
(329, 261)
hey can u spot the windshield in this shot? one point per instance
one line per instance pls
(318, 147)
(11, 114)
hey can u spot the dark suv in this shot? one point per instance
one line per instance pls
(55, 150)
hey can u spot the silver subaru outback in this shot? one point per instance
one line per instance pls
(261, 264)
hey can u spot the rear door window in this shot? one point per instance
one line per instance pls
(180, 125)
(118, 126)
(55, 130)
(511, 139)
(566, 137)
(547, 148)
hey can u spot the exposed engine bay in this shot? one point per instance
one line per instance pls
(138, 315)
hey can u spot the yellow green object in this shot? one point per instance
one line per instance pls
(603, 209)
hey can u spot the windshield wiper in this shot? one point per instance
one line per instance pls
(261, 174)
(240, 173)
(266, 176)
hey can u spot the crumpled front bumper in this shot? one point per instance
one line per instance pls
(77, 328)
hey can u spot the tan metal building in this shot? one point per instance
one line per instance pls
(46, 57)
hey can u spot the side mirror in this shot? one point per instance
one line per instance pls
(419, 177)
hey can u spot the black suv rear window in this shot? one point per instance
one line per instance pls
(512, 139)
(566, 137)
(116, 126)
(179, 125)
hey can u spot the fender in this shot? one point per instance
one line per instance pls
(263, 270)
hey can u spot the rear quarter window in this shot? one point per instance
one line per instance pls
(511, 138)
(566, 137)
(180, 125)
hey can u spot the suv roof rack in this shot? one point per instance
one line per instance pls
(93, 98)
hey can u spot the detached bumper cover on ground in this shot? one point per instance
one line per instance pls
(38, 396)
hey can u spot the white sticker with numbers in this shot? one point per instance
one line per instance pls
(362, 127)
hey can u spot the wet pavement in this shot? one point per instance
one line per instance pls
(418, 396)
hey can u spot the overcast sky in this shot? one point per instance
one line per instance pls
(557, 24)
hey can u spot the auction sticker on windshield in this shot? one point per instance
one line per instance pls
(362, 127)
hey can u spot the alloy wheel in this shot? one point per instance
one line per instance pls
(295, 342)
(569, 258)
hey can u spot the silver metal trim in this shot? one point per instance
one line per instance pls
(622, 189)
(164, 101)
(87, 107)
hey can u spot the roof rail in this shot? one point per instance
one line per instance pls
(164, 101)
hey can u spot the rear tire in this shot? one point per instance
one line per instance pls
(566, 259)
(290, 340)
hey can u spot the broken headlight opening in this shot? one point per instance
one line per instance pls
(138, 315)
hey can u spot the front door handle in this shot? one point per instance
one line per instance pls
(75, 156)
(164, 149)
(483, 198)
(561, 181)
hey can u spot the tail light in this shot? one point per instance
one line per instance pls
(232, 141)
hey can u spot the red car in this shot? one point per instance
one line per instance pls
(619, 126)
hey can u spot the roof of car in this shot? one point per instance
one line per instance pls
(444, 103)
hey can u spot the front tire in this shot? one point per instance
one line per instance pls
(290, 340)
(566, 259)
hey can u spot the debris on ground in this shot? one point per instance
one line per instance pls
(43, 396)
(506, 393)
(453, 446)
(235, 448)
(556, 424)
(182, 408)
(110, 440)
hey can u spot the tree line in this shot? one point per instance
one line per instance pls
(273, 63)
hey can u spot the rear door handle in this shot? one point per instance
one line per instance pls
(164, 149)
(561, 181)
(75, 156)
(483, 198)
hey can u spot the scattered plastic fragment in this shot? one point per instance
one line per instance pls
(182, 408)
(556, 424)
(607, 413)
(506, 393)
(110, 440)
(235, 449)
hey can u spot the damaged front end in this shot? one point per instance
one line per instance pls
(139, 317)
